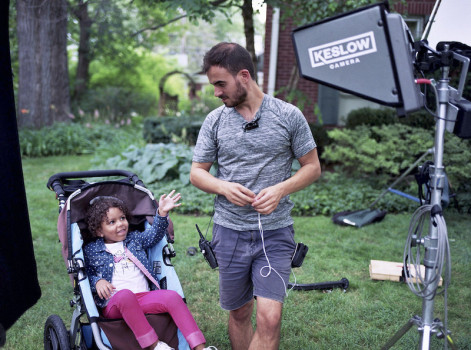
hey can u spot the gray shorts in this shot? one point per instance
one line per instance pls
(244, 271)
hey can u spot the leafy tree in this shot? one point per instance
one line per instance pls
(308, 11)
(112, 30)
(209, 9)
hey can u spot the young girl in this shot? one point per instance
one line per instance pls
(122, 288)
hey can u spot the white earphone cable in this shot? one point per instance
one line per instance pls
(269, 267)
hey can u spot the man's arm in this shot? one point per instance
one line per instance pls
(267, 200)
(235, 193)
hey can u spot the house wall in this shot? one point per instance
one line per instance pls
(286, 59)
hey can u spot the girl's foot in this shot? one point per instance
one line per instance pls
(162, 346)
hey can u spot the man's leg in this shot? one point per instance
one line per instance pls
(267, 332)
(240, 327)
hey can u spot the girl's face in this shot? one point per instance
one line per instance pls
(115, 226)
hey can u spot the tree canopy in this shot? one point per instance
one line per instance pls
(102, 46)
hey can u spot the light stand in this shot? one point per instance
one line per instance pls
(426, 324)
(370, 53)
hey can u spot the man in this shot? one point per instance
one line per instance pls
(254, 139)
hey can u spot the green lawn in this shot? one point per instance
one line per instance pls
(364, 317)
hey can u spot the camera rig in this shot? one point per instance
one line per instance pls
(376, 51)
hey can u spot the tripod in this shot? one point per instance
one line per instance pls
(433, 258)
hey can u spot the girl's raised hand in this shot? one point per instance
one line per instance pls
(168, 202)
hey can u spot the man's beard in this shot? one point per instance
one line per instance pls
(240, 96)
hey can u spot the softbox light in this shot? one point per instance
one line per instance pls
(367, 52)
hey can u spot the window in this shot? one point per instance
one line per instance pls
(416, 26)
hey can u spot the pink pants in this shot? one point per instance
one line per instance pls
(133, 307)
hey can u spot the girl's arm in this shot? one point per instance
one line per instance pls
(92, 273)
(153, 234)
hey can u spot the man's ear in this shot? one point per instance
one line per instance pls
(245, 74)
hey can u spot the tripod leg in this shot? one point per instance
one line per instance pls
(444, 333)
(425, 339)
(450, 342)
(400, 333)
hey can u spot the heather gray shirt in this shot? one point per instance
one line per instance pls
(256, 158)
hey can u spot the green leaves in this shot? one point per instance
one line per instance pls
(165, 129)
(156, 162)
(75, 139)
(375, 150)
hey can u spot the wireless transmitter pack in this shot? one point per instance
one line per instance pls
(299, 255)
(207, 251)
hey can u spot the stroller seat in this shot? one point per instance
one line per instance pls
(101, 333)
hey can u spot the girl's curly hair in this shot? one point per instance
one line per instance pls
(97, 212)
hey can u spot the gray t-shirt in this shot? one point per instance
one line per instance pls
(256, 158)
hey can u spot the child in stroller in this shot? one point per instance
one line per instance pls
(119, 282)
(74, 198)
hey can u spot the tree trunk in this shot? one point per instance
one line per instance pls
(247, 15)
(43, 80)
(84, 55)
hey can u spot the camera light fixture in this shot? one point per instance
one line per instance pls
(366, 52)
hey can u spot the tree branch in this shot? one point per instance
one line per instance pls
(217, 2)
(159, 25)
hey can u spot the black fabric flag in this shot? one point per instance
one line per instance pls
(19, 286)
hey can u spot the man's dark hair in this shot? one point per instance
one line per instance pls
(230, 56)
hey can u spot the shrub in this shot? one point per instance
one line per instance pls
(58, 139)
(194, 201)
(332, 193)
(74, 139)
(203, 104)
(387, 116)
(371, 117)
(115, 104)
(420, 119)
(321, 137)
(373, 151)
(156, 162)
(166, 129)
(377, 150)
(457, 153)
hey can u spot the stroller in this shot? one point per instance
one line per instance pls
(74, 195)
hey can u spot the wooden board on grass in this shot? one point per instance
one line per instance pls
(392, 271)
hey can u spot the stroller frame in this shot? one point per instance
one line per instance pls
(71, 192)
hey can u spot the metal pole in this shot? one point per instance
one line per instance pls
(437, 178)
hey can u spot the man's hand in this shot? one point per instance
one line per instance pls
(238, 194)
(104, 289)
(267, 200)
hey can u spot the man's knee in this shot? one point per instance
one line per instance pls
(268, 315)
(243, 313)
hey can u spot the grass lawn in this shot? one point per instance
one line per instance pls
(364, 317)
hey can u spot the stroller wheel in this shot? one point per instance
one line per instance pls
(56, 336)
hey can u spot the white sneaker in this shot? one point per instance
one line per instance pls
(162, 346)
(211, 348)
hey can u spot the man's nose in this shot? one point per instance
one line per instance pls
(217, 92)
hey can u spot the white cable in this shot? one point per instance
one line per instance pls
(269, 267)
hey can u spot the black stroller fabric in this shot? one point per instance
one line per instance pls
(19, 287)
(121, 336)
